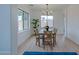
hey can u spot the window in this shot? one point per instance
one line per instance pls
(23, 20)
(45, 19)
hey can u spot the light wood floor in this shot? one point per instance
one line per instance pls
(63, 45)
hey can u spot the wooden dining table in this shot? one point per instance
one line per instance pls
(41, 34)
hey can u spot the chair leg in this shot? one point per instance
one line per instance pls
(43, 45)
(51, 46)
(36, 42)
(39, 43)
(54, 42)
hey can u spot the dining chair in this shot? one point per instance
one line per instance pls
(48, 39)
(37, 35)
(54, 36)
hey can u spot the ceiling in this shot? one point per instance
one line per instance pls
(53, 7)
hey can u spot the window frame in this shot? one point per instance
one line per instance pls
(47, 20)
(23, 19)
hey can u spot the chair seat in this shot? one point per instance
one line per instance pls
(48, 40)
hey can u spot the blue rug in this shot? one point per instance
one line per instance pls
(49, 53)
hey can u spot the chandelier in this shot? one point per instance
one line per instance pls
(48, 10)
(47, 14)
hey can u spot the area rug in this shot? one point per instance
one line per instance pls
(49, 53)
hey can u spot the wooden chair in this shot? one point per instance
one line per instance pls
(48, 38)
(54, 36)
(37, 35)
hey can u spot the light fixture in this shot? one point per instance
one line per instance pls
(47, 9)
(47, 14)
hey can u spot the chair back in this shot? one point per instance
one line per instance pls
(55, 30)
(48, 39)
(36, 32)
(48, 35)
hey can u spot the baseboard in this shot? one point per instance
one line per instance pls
(5, 53)
(71, 41)
(60, 34)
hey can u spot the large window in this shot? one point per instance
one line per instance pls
(23, 20)
(45, 20)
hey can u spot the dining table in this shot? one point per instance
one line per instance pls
(41, 34)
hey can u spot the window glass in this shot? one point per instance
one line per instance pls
(45, 20)
(23, 20)
(20, 20)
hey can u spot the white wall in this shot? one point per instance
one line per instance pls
(58, 19)
(13, 26)
(8, 29)
(10, 39)
(73, 23)
(35, 15)
(5, 35)
(65, 21)
(22, 36)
